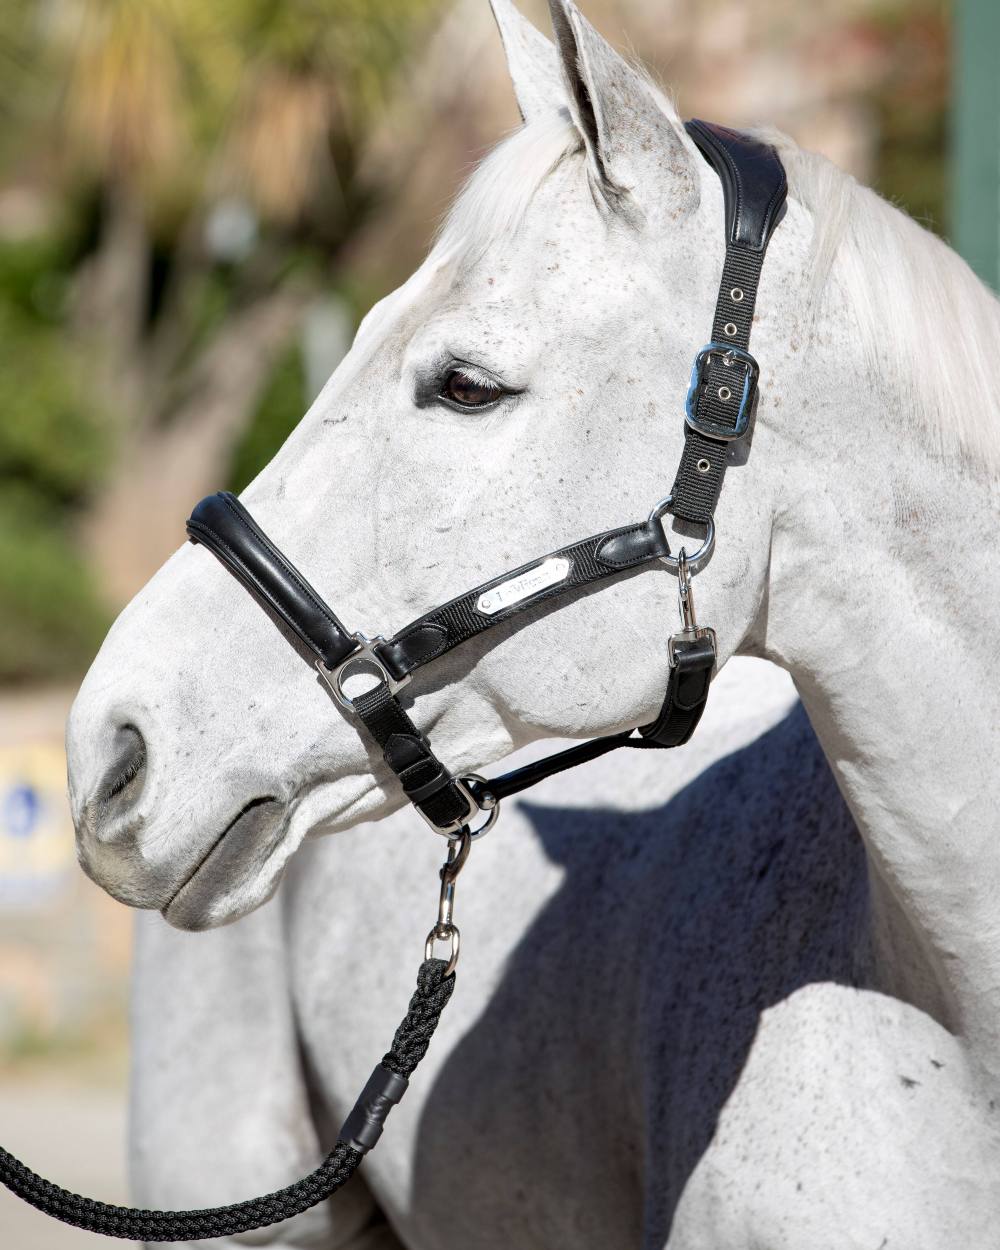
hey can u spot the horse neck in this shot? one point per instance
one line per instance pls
(884, 604)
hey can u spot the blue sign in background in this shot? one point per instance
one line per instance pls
(21, 810)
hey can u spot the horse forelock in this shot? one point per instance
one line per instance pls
(493, 202)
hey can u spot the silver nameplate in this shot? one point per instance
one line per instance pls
(548, 573)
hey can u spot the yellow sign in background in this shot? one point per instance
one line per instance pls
(64, 944)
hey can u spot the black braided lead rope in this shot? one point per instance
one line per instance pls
(408, 1047)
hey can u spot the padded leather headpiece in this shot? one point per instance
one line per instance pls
(753, 182)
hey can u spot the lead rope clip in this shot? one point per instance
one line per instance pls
(446, 930)
(690, 631)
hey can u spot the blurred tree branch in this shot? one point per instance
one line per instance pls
(220, 147)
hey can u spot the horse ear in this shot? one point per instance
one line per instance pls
(632, 136)
(532, 60)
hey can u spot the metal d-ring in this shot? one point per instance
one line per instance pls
(703, 552)
(486, 802)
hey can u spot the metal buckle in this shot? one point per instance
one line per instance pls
(363, 654)
(730, 355)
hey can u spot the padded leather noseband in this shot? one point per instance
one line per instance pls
(223, 525)
(719, 409)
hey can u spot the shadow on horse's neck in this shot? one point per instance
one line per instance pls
(627, 1011)
(884, 604)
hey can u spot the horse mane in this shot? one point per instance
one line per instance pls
(930, 328)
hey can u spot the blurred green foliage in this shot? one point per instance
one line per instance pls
(128, 122)
(52, 452)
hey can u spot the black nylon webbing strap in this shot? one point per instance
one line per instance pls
(426, 782)
(593, 560)
(529, 775)
(754, 188)
(683, 705)
(702, 468)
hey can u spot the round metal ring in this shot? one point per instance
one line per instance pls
(493, 813)
(454, 940)
(703, 552)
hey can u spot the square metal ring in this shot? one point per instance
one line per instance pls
(362, 655)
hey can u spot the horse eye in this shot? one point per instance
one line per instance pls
(469, 392)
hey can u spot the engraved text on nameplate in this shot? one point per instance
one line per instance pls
(548, 573)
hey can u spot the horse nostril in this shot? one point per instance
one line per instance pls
(122, 782)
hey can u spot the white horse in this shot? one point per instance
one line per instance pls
(521, 389)
(248, 1054)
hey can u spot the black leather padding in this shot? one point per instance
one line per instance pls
(223, 525)
(753, 182)
(687, 694)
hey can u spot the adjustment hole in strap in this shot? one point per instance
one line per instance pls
(736, 295)
(730, 329)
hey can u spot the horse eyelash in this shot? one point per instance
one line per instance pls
(475, 374)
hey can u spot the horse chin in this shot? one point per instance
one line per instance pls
(244, 865)
(241, 870)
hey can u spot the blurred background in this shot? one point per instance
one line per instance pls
(197, 204)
